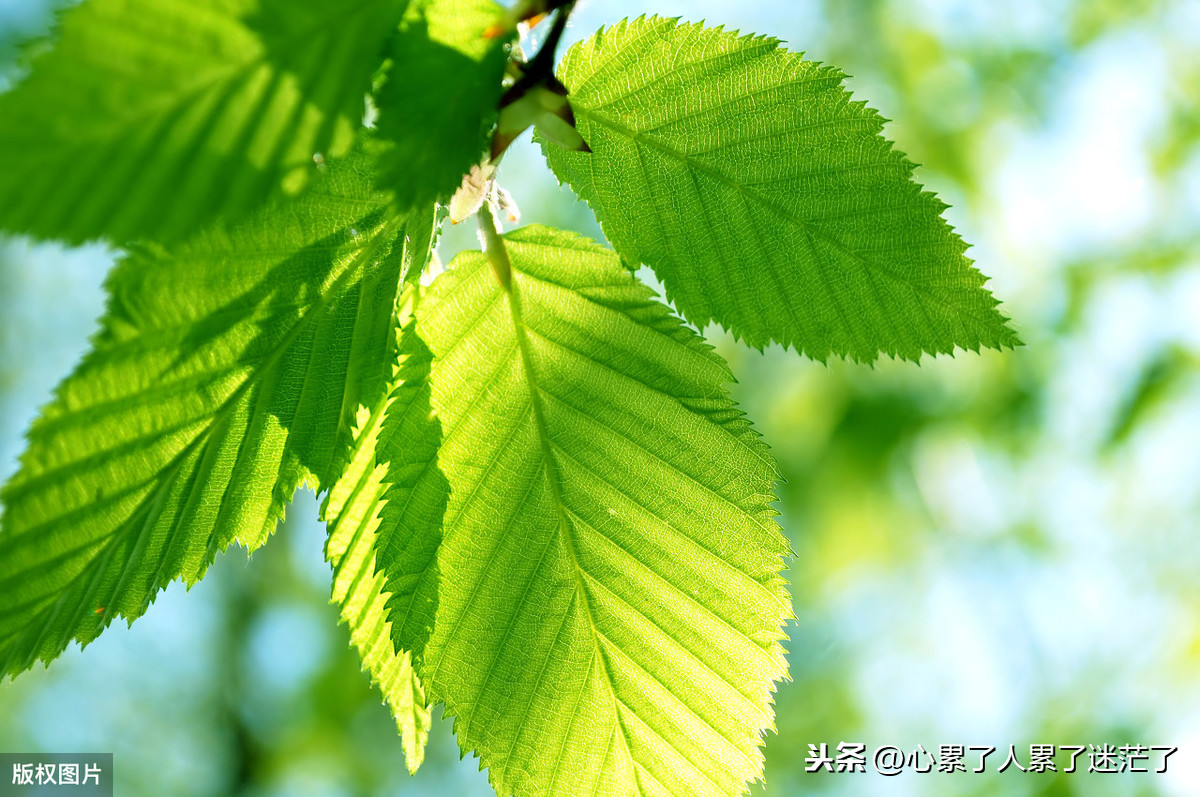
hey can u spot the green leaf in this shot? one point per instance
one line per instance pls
(226, 371)
(149, 118)
(599, 603)
(352, 512)
(764, 198)
(440, 98)
(352, 509)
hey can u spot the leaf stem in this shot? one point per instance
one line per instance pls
(497, 254)
(543, 63)
(541, 68)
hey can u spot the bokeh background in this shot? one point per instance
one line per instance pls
(991, 549)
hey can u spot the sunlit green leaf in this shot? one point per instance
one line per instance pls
(148, 118)
(351, 510)
(764, 198)
(589, 567)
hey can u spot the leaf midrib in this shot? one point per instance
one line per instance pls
(553, 478)
(566, 538)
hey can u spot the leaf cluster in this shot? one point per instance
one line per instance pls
(544, 510)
